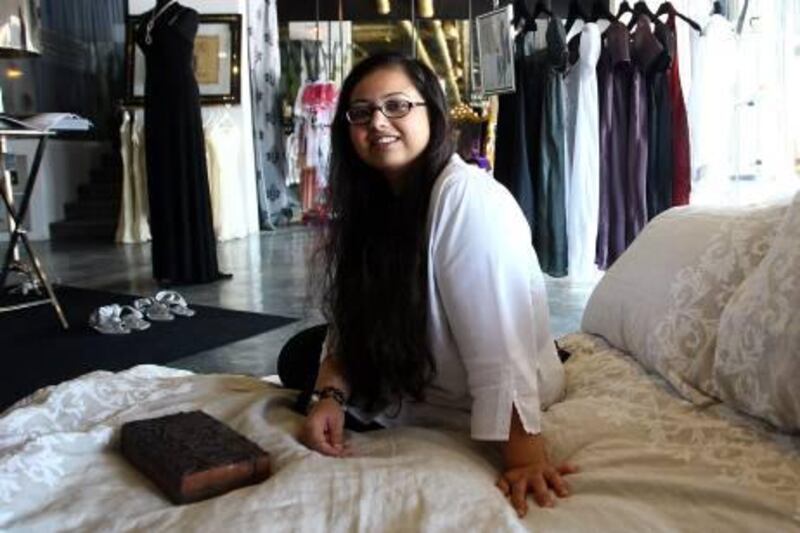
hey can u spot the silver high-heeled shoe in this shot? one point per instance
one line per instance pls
(153, 310)
(175, 302)
(107, 320)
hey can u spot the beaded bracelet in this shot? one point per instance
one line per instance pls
(328, 392)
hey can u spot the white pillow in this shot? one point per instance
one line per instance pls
(662, 299)
(757, 362)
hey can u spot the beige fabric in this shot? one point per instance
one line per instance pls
(757, 363)
(649, 462)
(662, 300)
(133, 225)
(226, 192)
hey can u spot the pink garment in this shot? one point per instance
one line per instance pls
(314, 109)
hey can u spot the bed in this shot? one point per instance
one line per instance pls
(652, 456)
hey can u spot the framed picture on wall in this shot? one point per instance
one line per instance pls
(216, 64)
(496, 51)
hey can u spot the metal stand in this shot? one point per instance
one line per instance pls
(17, 233)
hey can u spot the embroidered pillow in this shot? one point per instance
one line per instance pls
(757, 362)
(662, 299)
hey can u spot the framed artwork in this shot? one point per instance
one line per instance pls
(496, 51)
(216, 65)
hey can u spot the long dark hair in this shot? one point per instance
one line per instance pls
(375, 251)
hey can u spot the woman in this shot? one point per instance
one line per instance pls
(437, 309)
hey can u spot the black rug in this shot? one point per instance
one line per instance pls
(36, 352)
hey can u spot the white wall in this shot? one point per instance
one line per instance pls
(241, 114)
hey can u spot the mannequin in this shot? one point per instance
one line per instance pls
(183, 246)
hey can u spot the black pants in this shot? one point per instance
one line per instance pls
(298, 367)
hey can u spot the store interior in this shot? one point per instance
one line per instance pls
(273, 87)
(400, 265)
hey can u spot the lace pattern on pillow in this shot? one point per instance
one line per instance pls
(681, 346)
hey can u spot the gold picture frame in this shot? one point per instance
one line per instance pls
(217, 61)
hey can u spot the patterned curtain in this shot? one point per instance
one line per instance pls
(265, 74)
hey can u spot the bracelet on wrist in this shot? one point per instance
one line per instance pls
(334, 393)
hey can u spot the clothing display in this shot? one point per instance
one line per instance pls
(488, 314)
(583, 155)
(132, 225)
(614, 120)
(227, 192)
(183, 245)
(314, 109)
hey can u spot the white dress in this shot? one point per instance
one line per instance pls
(227, 192)
(488, 317)
(712, 103)
(583, 157)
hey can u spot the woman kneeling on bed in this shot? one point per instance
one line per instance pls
(437, 308)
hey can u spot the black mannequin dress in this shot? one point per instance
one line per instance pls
(184, 247)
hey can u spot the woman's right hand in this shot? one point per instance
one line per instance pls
(324, 428)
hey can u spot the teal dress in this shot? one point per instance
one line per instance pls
(546, 128)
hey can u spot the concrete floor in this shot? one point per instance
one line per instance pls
(270, 275)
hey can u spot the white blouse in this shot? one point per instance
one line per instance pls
(488, 320)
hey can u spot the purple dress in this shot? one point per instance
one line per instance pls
(622, 99)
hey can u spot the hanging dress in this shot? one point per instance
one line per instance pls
(652, 59)
(712, 103)
(183, 245)
(623, 149)
(681, 152)
(545, 118)
(583, 155)
(127, 205)
(511, 166)
(228, 194)
(132, 226)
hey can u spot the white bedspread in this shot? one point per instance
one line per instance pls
(649, 461)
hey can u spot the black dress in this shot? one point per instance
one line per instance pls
(184, 247)
(652, 57)
(511, 148)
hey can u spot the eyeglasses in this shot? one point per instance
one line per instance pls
(360, 114)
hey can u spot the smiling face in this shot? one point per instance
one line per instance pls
(389, 145)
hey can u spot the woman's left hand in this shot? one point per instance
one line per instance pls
(528, 470)
(538, 478)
